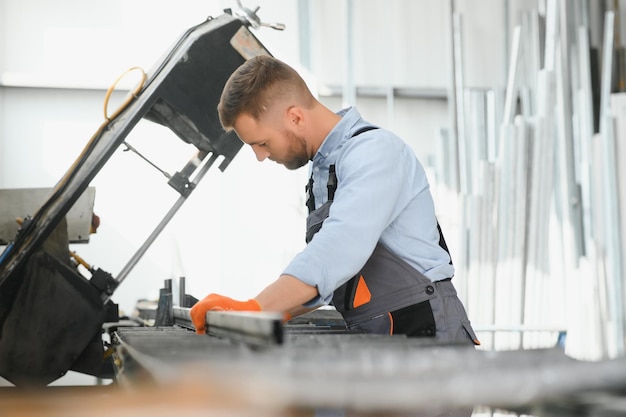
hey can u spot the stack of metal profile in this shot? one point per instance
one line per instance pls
(536, 167)
(316, 363)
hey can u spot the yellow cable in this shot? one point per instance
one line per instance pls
(129, 98)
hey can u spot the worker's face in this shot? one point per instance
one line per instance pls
(273, 139)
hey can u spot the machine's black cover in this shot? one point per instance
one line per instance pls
(54, 313)
(200, 80)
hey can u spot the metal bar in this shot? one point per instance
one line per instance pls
(391, 53)
(487, 287)
(511, 86)
(585, 130)
(587, 174)
(493, 118)
(164, 314)
(505, 216)
(541, 191)
(473, 208)
(443, 164)
(611, 208)
(182, 291)
(305, 25)
(551, 35)
(457, 46)
(506, 19)
(542, 179)
(607, 61)
(471, 138)
(532, 54)
(523, 168)
(253, 328)
(131, 148)
(349, 90)
(452, 154)
(618, 108)
(571, 215)
(182, 317)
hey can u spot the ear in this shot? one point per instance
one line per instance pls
(295, 117)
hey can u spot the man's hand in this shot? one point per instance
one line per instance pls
(216, 302)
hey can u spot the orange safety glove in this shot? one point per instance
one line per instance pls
(216, 302)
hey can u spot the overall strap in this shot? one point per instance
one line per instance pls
(332, 177)
(442, 242)
(310, 198)
(363, 130)
(331, 185)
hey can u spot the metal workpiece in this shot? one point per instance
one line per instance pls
(266, 328)
(182, 317)
(164, 312)
(252, 328)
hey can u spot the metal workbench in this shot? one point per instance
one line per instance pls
(317, 364)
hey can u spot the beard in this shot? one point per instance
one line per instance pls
(297, 155)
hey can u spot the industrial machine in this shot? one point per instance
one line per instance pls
(51, 316)
(53, 319)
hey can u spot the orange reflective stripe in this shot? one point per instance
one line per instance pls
(390, 323)
(362, 294)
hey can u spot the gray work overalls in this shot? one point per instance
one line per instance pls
(388, 296)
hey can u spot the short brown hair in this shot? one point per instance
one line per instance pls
(256, 85)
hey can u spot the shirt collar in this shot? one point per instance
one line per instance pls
(349, 118)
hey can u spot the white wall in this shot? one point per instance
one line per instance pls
(402, 43)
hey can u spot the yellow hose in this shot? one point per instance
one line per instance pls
(130, 98)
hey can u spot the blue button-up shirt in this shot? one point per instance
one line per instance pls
(382, 195)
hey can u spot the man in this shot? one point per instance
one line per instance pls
(375, 250)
